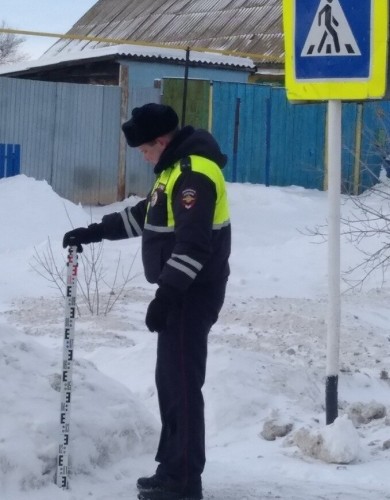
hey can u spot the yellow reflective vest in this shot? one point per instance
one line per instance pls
(186, 233)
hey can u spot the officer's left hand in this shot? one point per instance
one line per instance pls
(165, 300)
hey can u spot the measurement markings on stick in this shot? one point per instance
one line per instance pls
(63, 461)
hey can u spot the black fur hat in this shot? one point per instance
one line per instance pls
(149, 122)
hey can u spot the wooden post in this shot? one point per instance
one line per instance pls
(358, 149)
(185, 88)
(124, 86)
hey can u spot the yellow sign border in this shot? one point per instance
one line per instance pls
(374, 87)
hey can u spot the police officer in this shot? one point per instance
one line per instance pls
(185, 229)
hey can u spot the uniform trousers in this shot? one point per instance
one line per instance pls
(180, 375)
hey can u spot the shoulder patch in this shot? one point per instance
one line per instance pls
(188, 198)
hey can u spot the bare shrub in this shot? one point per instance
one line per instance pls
(97, 291)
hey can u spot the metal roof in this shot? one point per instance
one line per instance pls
(248, 28)
(139, 52)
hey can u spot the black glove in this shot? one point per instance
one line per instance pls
(166, 299)
(91, 234)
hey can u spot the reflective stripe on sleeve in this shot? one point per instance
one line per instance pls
(182, 268)
(185, 264)
(194, 263)
(131, 225)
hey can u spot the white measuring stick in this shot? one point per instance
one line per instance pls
(63, 467)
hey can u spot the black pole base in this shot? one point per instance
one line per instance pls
(331, 399)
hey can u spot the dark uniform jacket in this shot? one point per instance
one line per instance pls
(184, 221)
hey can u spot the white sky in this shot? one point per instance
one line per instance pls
(50, 16)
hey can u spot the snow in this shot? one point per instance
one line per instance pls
(266, 367)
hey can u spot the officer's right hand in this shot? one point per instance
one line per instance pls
(90, 234)
(167, 298)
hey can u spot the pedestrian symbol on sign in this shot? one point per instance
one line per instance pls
(335, 49)
(330, 33)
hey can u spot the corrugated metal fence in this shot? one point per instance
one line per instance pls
(273, 142)
(69, 135)
(139, 174)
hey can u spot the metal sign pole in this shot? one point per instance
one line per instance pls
(334, 195)
(316, 34)
(63, 467)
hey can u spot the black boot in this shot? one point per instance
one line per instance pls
(169, 490)
(155, 482)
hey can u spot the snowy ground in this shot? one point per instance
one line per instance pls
(267, 359)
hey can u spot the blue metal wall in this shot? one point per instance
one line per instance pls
(247, 155)
(278, 143)
(271, 141)
(297, 142)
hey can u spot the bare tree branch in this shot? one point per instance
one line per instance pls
(10, 47)
(96, 291)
